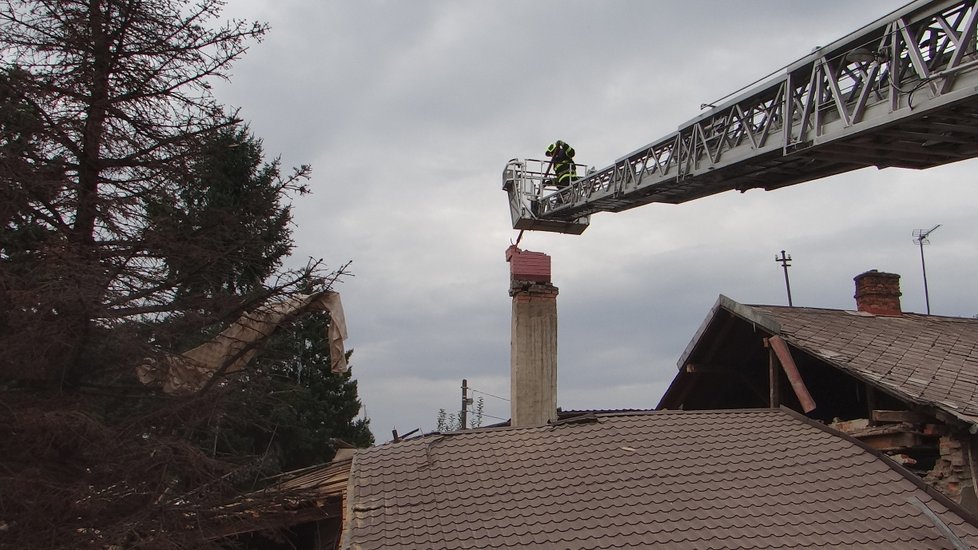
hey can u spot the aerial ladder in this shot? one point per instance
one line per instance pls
(899, 92)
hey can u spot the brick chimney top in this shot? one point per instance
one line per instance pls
(528, 266)
(878, 293)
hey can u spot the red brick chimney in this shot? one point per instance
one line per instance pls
(878, 293)
(533, 347)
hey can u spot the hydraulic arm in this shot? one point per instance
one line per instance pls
(899, 92)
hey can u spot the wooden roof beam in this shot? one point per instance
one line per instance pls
(783, 354)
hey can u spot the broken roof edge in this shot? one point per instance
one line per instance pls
(349, 502)
(918, 481)
(750, 313)
(743, 311)
(882, 384)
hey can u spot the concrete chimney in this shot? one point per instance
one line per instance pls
(878, 293)
(533, 346)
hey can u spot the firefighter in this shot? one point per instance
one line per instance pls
(562, 158)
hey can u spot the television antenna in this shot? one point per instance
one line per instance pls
(920, 237)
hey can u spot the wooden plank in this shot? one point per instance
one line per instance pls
(774, 380)
(900, 416)
(870, 402)
(889, 441)
(780, 348)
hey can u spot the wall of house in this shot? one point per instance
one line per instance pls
(953, 473)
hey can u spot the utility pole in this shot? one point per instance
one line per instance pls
(466, 401)
(920, 237)
(784, 261)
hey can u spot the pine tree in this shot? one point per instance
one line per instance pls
(138, 217)
(116, 99)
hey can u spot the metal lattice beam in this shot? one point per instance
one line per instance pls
(902, 91)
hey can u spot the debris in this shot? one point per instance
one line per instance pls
(232, 349)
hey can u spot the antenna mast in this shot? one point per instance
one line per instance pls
(920, 237)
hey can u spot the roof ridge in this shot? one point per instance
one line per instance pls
(912, 314)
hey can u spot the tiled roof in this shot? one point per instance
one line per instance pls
(757, 478)
(927, 359)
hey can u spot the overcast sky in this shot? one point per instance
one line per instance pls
(408, 112)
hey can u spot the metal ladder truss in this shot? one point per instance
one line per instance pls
(900, 92)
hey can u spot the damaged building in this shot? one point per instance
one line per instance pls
(903, 383)
(787, 429)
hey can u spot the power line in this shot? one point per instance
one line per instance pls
(489, 415)
(489, 394)
(473, 411)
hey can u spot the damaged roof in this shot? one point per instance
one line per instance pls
(759, 478)
(925, 359)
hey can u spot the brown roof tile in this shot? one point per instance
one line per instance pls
(928, 359)
(700, 479)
